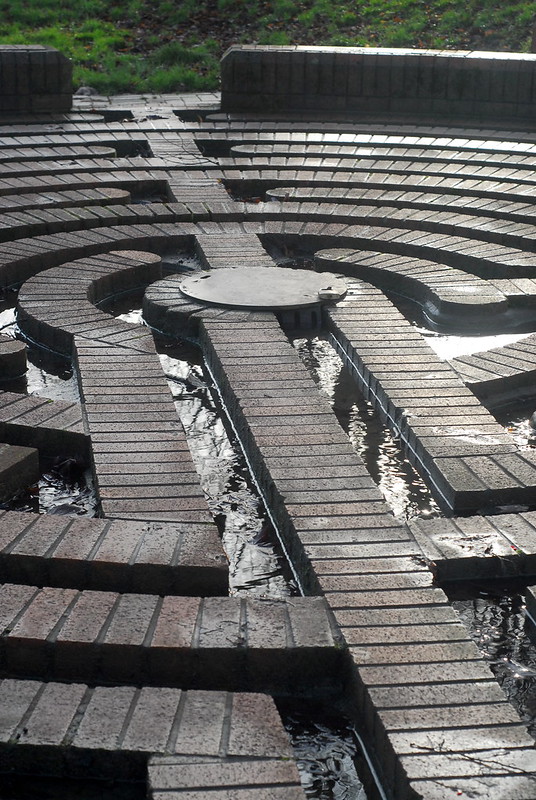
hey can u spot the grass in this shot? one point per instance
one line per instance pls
(175, 45)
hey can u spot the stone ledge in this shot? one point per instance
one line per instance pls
(244, 779)
(224, 643)
(48, 425)
(67, 730)
(156, 558)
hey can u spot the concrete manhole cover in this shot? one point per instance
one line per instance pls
(272, 288)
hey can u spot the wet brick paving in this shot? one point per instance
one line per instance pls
(121, 654)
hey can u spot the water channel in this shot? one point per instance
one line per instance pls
(495, 619)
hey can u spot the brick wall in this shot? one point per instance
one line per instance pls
(355, 79)
(34, 78)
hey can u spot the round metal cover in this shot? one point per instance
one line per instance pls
(273, 288)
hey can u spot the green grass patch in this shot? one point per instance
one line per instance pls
(175, 45)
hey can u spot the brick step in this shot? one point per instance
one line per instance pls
(78, 731)
(231, 643)
(160, 558)
(51, 426)
(242, 779)
(479, 547)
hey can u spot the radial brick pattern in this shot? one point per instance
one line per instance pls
(121, 654)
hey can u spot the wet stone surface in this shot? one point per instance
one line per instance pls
(404, 204)
(497, 624)
(248, 538)
(400, 485)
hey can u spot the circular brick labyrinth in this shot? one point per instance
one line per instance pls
(121, 651)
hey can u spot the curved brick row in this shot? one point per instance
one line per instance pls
(337, 157)
(55, 153)
(48, 425)
(409, 153)
(365, 130)
(500, 231)
(442, 291)
(514, 180)
(501, 370)
(87, 197)
(25, 257)
(266, 177)
(59, 303)
(39, 222)
(481, 208)
(12, 170)
(201, 188)
(86, 140)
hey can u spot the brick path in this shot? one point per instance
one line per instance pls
(137, 599)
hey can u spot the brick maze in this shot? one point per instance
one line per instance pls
(121, 653)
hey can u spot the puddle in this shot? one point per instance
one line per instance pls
(403, 489)
(496, 623)
(326, 754)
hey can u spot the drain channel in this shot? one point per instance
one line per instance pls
(328, 755)
(403, 489)
(497, 622)
(257, 565)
